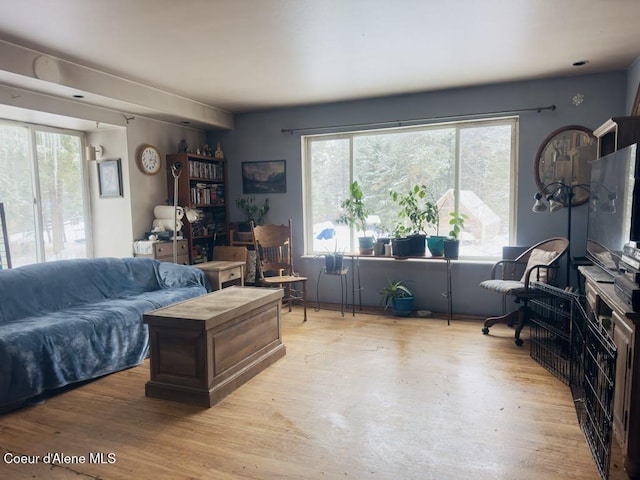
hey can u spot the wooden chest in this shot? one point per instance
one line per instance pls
(204, 348)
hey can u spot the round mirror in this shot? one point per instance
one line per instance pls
(564, 160)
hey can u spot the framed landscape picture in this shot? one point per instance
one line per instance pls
(264, 177)
(110, 178)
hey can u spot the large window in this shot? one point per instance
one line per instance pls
(42, 188)
(468, 167)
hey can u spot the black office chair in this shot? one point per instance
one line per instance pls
(513, 277)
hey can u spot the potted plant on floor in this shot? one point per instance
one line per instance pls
(452, 244)
(354, 214)
(398, 297)
(420, 212)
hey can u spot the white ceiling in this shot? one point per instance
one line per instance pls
(225, 56)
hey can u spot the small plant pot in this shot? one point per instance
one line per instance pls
(366, 245)
(436, 245)
(418, 245)
(378, 246)
(401, 247)
(402, 306)
(333, 262)
(451, 249)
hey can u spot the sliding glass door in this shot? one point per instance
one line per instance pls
(42, 185)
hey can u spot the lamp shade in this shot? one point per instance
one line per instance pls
(554, 205)
(539, 206)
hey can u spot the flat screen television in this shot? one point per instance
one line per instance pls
(614, 208)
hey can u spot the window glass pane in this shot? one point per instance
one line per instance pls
(329, 185)
(465, 166)
(485, 189)
(60, 175)
(16, 193)
(398, 161)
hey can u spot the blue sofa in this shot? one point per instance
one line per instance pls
(73, 320)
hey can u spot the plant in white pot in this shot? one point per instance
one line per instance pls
(354, 213)
(397, 296)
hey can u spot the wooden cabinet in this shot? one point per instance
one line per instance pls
(617, 133)
(163, 251)
(201, 187)
(621, 322)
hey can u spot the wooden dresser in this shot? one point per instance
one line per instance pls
(621, 322)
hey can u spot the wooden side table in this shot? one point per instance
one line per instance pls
(219, 272)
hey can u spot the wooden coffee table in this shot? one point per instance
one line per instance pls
(204, 348)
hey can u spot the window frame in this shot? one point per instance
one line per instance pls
(307, 141)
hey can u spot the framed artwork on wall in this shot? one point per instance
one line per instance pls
(110, 178)
(264, 177)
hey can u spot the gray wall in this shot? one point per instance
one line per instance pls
(257, 137)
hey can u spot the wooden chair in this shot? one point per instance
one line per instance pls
(273, 248)
(513, 277)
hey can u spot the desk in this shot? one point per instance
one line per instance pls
(219, 272)
(355, 268)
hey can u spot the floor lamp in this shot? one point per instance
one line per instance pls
(176, 170)
(558, 195)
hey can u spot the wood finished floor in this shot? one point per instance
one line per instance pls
(366, 397)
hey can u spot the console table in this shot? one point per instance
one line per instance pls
(355, 271)
(204, 348)
(621, 322)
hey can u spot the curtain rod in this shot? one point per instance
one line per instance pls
(400, 123)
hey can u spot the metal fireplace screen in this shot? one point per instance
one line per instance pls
(568, 340)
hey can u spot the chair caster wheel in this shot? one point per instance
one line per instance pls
(519, 342)
(485, 330)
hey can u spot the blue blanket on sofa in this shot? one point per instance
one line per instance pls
(73, 320)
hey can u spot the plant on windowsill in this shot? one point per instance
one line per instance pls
(354, 213)
(420, 213)
(452, 244)
(398, 297)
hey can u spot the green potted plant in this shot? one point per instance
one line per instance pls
(397, 296)
(452, 244)
(253, 211)
(400, 242)
(333, 260)
(420, 212)
(354, 214)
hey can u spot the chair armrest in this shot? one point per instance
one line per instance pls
(537, 268)
(507, 270)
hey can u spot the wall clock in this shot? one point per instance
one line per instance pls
(565, 157)
(149, 159)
